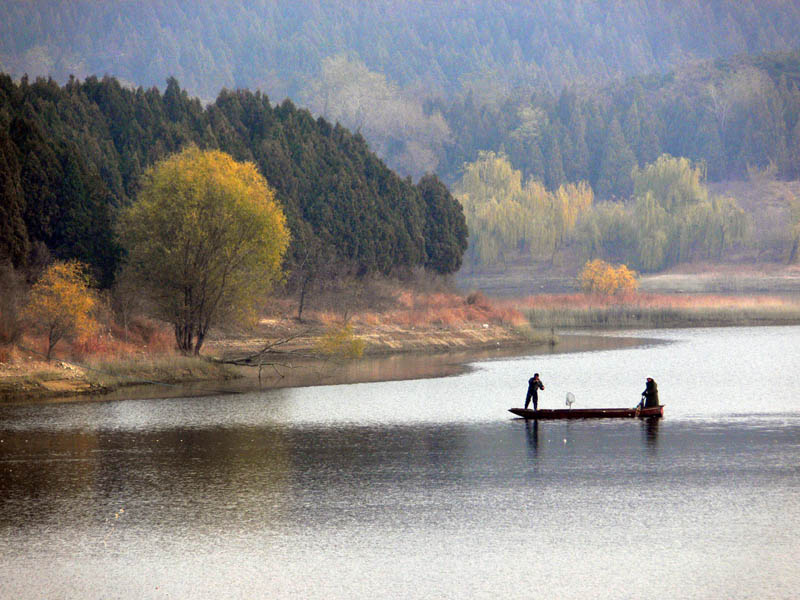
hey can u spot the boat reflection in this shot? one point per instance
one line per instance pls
(532, 432)
(650, 427)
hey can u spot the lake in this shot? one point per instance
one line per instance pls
(423, 488)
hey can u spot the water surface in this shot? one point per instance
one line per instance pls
(423, 488)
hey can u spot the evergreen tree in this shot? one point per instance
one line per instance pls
(618, 161)
(445, 226)
(14, 242)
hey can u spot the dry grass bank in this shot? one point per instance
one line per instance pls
(748, 279)
(29, 376)
(522, 280)
(648, 310)
(141, 353)
(391, 320)
(385, 317)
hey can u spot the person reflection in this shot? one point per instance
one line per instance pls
(650, 432)
(532, 430)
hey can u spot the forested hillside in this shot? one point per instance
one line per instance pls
(732, 115)
(71, 155)
(537, 113)
(372, 65)
(278, 45)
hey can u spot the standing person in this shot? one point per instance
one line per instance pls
(650, 394)
(534, 385)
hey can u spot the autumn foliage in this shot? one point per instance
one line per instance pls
(508, 217)
(205, 239)
(61, 303)
(601, 277)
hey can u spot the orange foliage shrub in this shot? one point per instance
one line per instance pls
(142, 337)
(601, 277)
(477, 299)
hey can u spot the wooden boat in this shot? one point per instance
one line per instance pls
(588, 413)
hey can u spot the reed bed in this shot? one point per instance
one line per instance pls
(657, 310)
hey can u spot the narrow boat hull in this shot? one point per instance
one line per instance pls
(588, 413)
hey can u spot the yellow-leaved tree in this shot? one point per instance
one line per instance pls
(61, 303)
(600, 277)
(205, 239)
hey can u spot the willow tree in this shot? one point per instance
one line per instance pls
(205, 238)
(675, 182)
(676, 219)
(508, 219)
(650, 237)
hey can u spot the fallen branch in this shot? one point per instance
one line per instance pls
(272, 356)
(269, 350)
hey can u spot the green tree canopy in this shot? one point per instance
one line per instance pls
(71, 156)
(205, 238)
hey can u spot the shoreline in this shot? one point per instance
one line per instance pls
(177, 376)
(393, 348)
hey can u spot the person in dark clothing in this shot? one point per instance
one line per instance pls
(650, 394)
(534, 385)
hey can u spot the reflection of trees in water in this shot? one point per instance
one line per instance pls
(649, 432)
(168, 476)
(44, 472)
(203, 479)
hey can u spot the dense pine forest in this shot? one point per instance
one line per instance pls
(71, 155)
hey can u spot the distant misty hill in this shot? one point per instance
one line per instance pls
(439, 48)
(429, 84)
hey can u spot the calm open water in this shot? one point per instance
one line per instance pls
(424, 488)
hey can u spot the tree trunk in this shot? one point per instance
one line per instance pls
(793, 251)
(184, 337)
(303, 289)
(201, 336)
(202, 330)
(52, 340)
